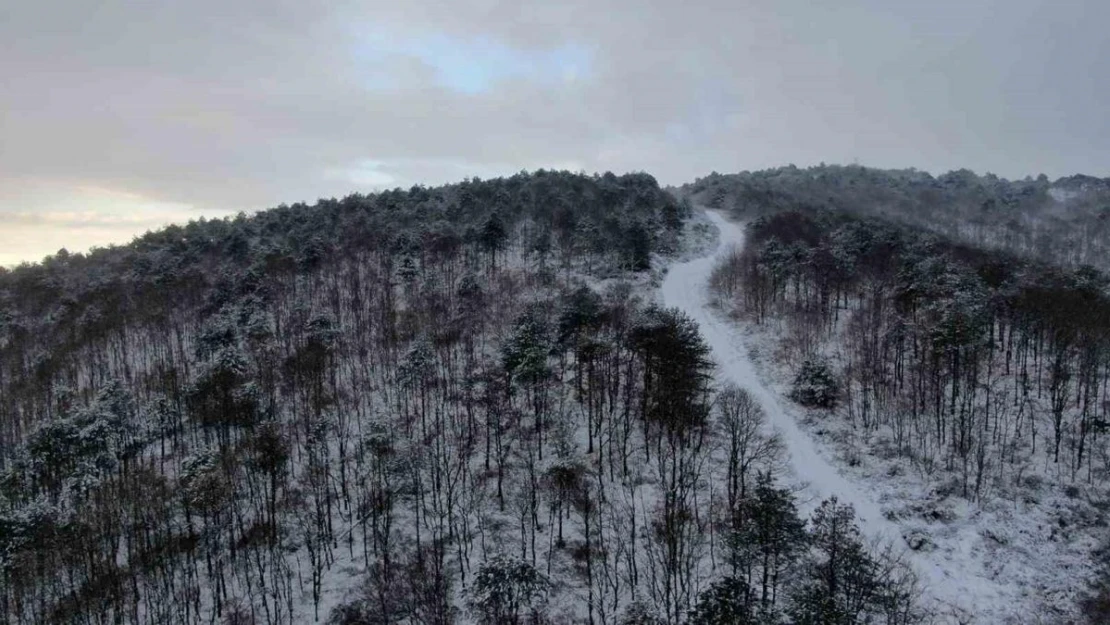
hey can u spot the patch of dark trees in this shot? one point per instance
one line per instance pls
(1064, 222)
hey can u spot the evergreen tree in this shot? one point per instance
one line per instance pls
(841, 585)
(767, 540)
(727, 601)
(508, 591)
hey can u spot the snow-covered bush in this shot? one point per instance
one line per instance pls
(1095, 603)
(641, 613)
(353, 613)
(506, 590)
(815, 385)
(725, 602)
(204, 481)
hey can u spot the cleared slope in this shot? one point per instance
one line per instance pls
(946, 584)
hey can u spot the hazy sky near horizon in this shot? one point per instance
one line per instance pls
(121, 116)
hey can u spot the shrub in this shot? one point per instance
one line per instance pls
(1094, 605)
(507, 589)
(815, 385)
(640, 613)
(726, 602)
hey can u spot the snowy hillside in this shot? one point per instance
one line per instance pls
(814, 472)
(1016, 550)
(551, 398)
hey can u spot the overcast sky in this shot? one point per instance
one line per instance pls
(119, 116)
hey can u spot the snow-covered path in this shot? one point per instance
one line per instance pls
(685, 287)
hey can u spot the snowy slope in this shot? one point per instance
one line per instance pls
(947, 587)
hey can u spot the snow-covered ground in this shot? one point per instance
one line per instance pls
(957, 583)
(981, 564)
(1022, 550)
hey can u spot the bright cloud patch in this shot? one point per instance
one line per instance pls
(371, 175)
(366, 173)
(79, 217)
(471, 65)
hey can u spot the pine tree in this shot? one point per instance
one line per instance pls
(727, 601)
(841, 585)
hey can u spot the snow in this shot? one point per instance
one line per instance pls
(699, 237)
(995, 561)
(949, 588)
(1063, 196)
(1023, 550)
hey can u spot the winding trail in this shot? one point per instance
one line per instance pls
(686, 287)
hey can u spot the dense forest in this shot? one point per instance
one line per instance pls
(1065, 222)
(465, 404)
(428, 406)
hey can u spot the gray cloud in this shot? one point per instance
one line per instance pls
(240, 105)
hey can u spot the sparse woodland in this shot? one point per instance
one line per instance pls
(984, 371)
(450, 405)
(972, 359)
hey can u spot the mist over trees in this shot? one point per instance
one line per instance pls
(1064, 222)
